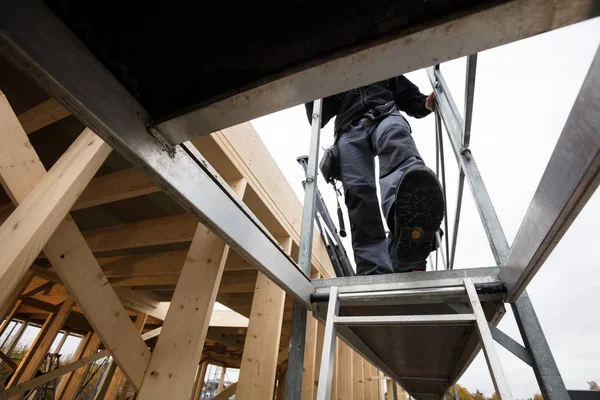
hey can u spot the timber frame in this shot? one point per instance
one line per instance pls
(97, 242)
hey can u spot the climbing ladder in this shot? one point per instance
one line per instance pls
(386, 318)
(35, 39)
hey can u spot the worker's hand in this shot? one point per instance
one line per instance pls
(430, 102)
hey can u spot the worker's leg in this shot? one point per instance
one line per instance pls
(397, 152)
(360, 192)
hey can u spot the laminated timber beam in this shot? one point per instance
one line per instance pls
(258, 369)
(42, 219)
(32, 360)
(106, 107)
(179, 347)
(42, 115)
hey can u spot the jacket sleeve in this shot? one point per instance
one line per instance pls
(331, 106)
(409, 98)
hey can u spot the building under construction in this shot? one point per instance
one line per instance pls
(136, 194)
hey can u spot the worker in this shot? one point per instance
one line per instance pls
(368, 124)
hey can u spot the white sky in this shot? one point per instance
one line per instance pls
(524, 92)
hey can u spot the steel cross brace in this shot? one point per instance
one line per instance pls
(550, 380)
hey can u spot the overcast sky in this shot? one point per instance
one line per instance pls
(523, 95)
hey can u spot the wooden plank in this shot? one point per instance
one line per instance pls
(31, 362)
(24, 178)
(29, 227)
(259, 360)
(345, 384)
(42, 115)
(310, 354)
(120, 185)
(367, 380)
(357, 377)
(227, 393)
(118, 379)
(74, 382)
(179, 347)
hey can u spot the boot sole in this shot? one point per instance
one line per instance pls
(418, 215)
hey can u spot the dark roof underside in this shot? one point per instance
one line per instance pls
(174, 55)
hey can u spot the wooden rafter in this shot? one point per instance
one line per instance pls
(41, 218)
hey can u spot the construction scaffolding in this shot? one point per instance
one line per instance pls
(156, 349)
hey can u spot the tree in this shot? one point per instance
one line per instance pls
(538, 396)
(594, 385)
(478, 396)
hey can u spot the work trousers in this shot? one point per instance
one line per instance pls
(390, 139)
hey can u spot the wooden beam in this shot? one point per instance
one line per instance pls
(357, 377)
(75, 380)
(120, 185)
(31, 351)
(118, 378)
(374, 384)
(31, 362)
(227, 393)
(42, 115)
(259, 361)
(8, 361)
(29, 227)
(150, 232)
(179, 347)
(44, 200)
(345, 384)
(40, 380)
(9, 307)
(244, 148)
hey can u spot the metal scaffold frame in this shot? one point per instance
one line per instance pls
(36, 41)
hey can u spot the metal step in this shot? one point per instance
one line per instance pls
(417, 328)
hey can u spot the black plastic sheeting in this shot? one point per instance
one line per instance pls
(173, 55)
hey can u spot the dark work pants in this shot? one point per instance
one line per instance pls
(390, 139)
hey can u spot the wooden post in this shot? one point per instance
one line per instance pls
(367, 380)
(70, 388)
(12, 303)
(221, 380)
(389, 393)
(44, 200)
(179, 347)
(259, 360)
(345, 372)
(381, 385)
(199, 383)
(281, 382)
(357, 376)
(36, 354)
(374, 383)
(118, 379)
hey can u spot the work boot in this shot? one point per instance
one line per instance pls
(419, 210)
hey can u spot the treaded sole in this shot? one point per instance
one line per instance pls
(418, 214)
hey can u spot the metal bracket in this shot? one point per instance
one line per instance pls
(511, 345)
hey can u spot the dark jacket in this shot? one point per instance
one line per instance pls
(353, 104)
